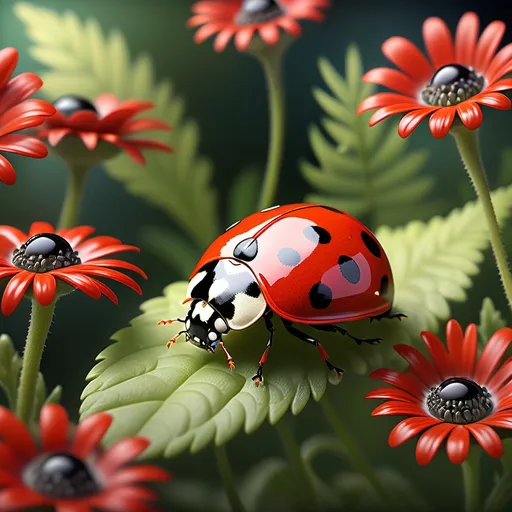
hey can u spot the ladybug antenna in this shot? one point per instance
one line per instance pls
(169, 322)
(186, 301)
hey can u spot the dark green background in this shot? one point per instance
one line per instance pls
(225, 94)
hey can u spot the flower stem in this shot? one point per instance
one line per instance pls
(226, 473)
(271, 60)
(356, 456)
(297, 464)
(471, 474)
(501, 495)
(469, 149)
(40, 321)
(73, 198)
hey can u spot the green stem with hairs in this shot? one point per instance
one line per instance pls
(40, 321)
(73, 199)
(357, 457)
(297, 464)
(471, 477)
(271, 59)
(228, 479)
(469, 149)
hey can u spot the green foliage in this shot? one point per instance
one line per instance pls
(10, 369)
(244, 194)
(367, 171)
(184, 398)
(83, 59)
(491, 320)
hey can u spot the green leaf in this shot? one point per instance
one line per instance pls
(362, 169)
(184, 398)
(171, 247)
(191, 496)
(243, 195)
(10, 367)
(491, 320)
(90, 62)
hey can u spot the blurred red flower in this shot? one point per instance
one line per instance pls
(18, 112)
(67, 468)
(242, 19)
(107, 119)
(456, 395)
(44, 255)
(457, 77)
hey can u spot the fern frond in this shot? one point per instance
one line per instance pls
(366, 171)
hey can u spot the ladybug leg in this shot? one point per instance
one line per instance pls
(258, 378)
(313, 341)
(388, 316)
(337, 328)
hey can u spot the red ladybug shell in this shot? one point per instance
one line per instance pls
(314, 264)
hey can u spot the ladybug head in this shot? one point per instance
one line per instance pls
(204, 325)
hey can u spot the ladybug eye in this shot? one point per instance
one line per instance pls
(220, 325)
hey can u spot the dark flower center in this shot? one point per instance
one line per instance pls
(60, 475)
(258, 11)
(68, 105)
(45, 252)
(459, 400)
(452, 84)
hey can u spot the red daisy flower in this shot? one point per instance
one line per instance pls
(457, 77)
(241, 19)
(108, 120)
(44, 255)
(67, 468)
(18, 112)
(457, 394)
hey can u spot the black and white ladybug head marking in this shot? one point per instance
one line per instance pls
(204, 326)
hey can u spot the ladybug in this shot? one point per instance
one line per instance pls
(304, 263)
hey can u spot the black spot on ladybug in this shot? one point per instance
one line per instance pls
(332, 209)
(288, 257)
(246, 250)
(253, 290)
(226, 309)
(201, 289)
(320, 296)
(232, 226)
(317, 234)
(371, 244)
(350, 269)
(384, 286)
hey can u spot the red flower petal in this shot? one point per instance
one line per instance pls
(409, 428)
(73, 506)
(8, 62)
(124, 499)
(8, 479)
(469, 351)
(76, 235)
(269, 33)
(455, 342)
(12, 235)
(111, 274)
(90, 140)
(491, 355)
(406, 56)
(141, 473)
(45, 287)
(501, 85)
(501, 377)
(438, 353)
(470, 114)
(439, 42)
(393, 79)
(98, 242)
(20, 498)
(430, 441)
(420, 365)
(504, 403)
(91, 256)
(502, 419)
(392, 394)
(7, 173)
(89, 434)
(19, 89)
(488, 44)
(84, 121)
(243, 38)
(23, 145)
(28, 114)
(14, 433)
(206, 31)
(290, 25)
(411, 121)
(106, 103)
(120, 264)
(487, 439)
(134, 153)
(457, 446)
(140, 125)
(55, 135)
(392, 408)
(501, 60)
(494, 100)
(14, 291)
(6, 272)
(466, 39)
(54, 423)
(391, 110)
(222, 40)
(79, 281)
(384, 99)
(441, 121)
(40, 227)
(121, 453)
(400, 381)
(148, 144)
(105, 290)
(9, 460)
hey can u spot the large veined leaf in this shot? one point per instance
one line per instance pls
(82, 59)
(183, 398)
(366, 171)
